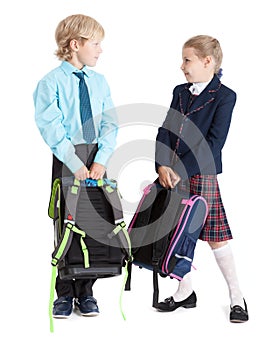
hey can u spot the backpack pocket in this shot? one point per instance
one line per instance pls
(184, 256)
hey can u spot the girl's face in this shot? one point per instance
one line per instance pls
(86, 54)
(195, 69)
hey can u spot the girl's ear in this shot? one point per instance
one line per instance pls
(74, 45)
(208, 60)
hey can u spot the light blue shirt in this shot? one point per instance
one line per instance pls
(57, 114)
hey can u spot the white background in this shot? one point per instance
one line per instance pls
(141, 60)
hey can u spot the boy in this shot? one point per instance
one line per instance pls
(74, 114)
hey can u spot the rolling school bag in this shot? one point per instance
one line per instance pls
(164, 231)
(90, 237)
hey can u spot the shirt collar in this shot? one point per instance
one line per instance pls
(68, 69)
(197, 88)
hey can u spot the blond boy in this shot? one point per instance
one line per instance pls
(58, 117)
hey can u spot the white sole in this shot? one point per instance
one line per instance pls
(61, 316)
(90, 314)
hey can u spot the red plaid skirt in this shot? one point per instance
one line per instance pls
(216, 227)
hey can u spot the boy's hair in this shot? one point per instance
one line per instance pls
(79, 27)
(205, 45)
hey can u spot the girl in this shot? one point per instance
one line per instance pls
(188, 151)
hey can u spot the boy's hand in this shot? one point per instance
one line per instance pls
(82, 173)
(97, 171)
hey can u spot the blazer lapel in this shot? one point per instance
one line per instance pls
(184, 98)
(207, 96)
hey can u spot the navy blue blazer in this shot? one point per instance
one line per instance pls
(191, 139)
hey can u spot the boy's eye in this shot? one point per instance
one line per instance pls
(94, 43)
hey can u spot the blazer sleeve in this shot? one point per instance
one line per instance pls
(163, 149)
(217, 134)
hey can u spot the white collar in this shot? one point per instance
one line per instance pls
(197, 88)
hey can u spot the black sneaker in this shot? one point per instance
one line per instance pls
(87, 306)
(238, 314)
(62, 307)
(170, 305)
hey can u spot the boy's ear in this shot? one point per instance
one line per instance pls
(74, 45)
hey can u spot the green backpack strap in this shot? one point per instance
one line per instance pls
(58, 254)
(113, 196)
(55, 196)
(66, 236)
(71, 201)
(123, 235)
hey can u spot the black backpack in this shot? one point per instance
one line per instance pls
(164, 231)
(90, 236)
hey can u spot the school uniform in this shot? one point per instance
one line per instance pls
(190, 141)
(57, 115)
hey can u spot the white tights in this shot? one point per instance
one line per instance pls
(225, 261)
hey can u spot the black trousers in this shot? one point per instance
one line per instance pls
(78, 287)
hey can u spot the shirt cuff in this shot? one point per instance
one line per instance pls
(74, 164)
(101, 158)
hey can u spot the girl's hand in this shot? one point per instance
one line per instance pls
(167, 177)
(164, 177)
(97, 171)
(175, 178)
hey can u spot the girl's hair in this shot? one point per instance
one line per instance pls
(79, 27)
(205, 45)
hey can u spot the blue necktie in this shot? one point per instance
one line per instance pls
(85, 110)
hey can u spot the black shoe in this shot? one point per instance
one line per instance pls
(238, 314)
(87, 306)
(62, 307)
(170, 305)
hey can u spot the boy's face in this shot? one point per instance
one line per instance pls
(86, 53)
(195, 69)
